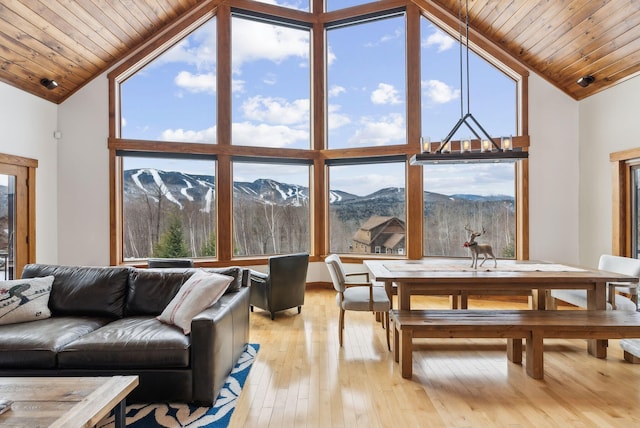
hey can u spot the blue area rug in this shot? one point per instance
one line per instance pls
(186, 415)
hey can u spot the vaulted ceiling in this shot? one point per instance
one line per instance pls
(74, 41)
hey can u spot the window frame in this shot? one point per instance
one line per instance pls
(623, 164)
(318, 155)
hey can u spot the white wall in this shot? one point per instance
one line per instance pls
(553, 174)
(83, 176)
(27, 123)
(608, 123)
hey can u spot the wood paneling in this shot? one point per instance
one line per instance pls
(74, 41)
(562, 40)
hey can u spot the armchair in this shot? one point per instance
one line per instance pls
(169, 263)
(283, 286)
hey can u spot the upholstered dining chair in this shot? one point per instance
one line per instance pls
(615, 300)
(283, 286)
(356, 296)
(169, 263)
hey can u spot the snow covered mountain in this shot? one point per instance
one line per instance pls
(182, 189)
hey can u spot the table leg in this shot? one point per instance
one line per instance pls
(404, 298)
(538, 302)
(120, 413)
(396, 342)
(388, 287)
(597, 299)
(514, 350)
(535, 355)
(406, 350)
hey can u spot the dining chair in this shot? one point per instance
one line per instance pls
(615, 300)
(357, 296)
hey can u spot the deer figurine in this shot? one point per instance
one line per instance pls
(475, 248)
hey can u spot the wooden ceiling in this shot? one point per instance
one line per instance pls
(74, 41)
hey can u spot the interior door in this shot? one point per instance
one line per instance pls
(14, 220)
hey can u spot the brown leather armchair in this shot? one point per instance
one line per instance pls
(283, 286)
(169, 263)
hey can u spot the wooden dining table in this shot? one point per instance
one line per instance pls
(456, 277)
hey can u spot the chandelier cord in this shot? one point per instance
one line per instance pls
(460, 46)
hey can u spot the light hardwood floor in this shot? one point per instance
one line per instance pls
(302, 378)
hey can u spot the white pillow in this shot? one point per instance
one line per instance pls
(24, 300)
(200, 291)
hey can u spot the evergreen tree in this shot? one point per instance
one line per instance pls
(171, 243)
(209, 247)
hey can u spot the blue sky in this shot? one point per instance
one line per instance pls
(173, 98)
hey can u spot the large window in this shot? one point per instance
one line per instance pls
(367, 208)
(366, 82)
(476, 197)
(254, 128)
(169, 207)
(173, 98)
(270, 208)
(465, 196)
(271, 85)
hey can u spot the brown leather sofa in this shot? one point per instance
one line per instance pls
(104, 323)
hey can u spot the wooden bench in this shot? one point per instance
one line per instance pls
(513, 325)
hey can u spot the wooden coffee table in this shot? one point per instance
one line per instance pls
(65, 401)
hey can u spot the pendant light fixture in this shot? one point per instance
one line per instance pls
(488, 151)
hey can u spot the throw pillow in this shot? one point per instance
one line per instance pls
(197, 293)
(24, 300)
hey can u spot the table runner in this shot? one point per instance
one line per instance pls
(460, 267)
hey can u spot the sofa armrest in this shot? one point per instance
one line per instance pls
(219, 335)
(258, 277)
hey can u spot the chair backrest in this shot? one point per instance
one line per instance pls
(337, 272)
(287, 279)
(169, 263)
(618, 264)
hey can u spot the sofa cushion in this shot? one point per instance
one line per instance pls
(84, 290)
(202, 290)
(35, 344)
(151, 290)
(134, 342)
(233, 271)
(24, 299)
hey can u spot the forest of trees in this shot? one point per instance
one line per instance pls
(157, 227)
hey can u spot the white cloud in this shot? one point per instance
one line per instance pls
(386, 38)
(336, 120)
(439, 92)
(248, 134)
(198, 49)
(123, 122)
(331, 56)
(389, 129)
(276, 110)
(336, 90)
(270, 79)
(204, 136)
(385, 94)
(237, 85)
(276, 43)
(196, 82)
(440, 39)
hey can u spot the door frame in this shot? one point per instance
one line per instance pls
(24, 169)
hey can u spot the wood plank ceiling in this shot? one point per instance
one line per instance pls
(74, 41)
